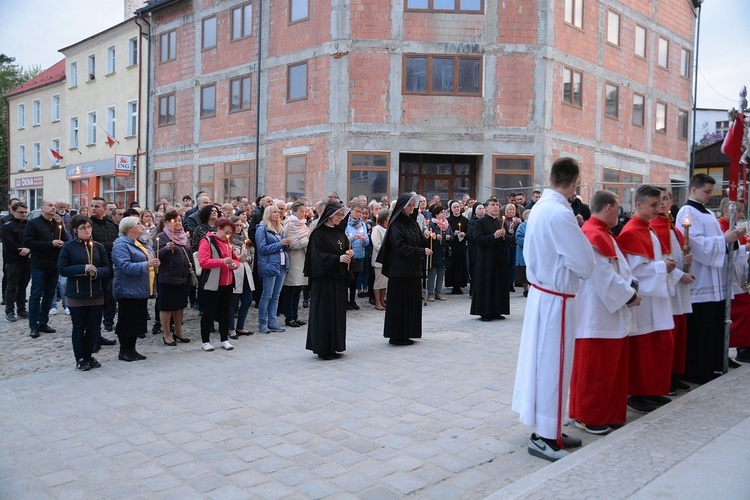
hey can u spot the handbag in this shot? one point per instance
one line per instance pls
(193, 274)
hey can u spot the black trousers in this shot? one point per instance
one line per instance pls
(216, 307)
(131, 321)
(705, 341)
(17, 277)
(87, 323)
(291, 296)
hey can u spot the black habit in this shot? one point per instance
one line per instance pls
(328, 280)
(456, 275)
(401, 255)
(490, 297)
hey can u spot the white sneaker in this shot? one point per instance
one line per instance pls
(53, 311)
(208, 347)
(67, 311)
(226, 345)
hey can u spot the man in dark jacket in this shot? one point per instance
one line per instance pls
(105, 231)
(44, 238)
(17, 262)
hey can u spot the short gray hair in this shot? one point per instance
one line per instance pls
(128, 223)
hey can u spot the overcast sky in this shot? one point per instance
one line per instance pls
(32, 31)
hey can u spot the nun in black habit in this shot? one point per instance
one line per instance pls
(403, 248)
(326, 267)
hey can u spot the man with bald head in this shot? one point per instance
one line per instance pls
(44, 238)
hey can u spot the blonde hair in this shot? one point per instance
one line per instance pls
(276, 227)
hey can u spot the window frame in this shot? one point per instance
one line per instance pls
(643, 56)
(74, 133)
(665, 54)
(618, 16)
(133, 51)
(55, 147)
(456, 76)
(624, 177)
(167, 98)
(514, 171)
(642, 124)
(660, 105)
(203, 112)
(36, 112)
(21, 116)
(159, 181)
(682, 128)
(91, 128)
(21, 157)
(239, 80)
(370, 168)
(36, 156)
(243, 20)
(91, 67)
(111, 59)
(686, 57)
(291, 4)
(73, 81)
(288, 173)
(168, 39)
(616, 88)
(111, 117)
(456, 10)
(55, 108)
(131, 108)
(215, 32)
(289, 68)
(573, 73)
(204, 184)
(228, 194)
(572, 15)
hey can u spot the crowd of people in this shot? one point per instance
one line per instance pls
(616, 321)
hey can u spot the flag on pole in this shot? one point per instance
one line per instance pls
(732, 147)
(110, 138)
(54, 155)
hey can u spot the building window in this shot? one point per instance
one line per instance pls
(612, 101)
(661, 117)
(110, 60)
(91, 128)
(56, 108)
(74, 132)
(79, 193)
(451, 75)
(623, 184)
(37, 158)
(663, 59)
(208, 101)
(73, 76)
(132, 118)
(206, 179)
(574, 13)
(239, 91)
(120, 190)
(445, 5)
(168, 46)
(613, 28)
(111, 121)
(640, 41)
(92, 67)
(368, 174)
(165, 185)
(36, 112)
(21, 158)
(513, 171)
(166, 109)
(295, 176)
(56, 148)
(722, 126)
(685, 63)
(21, 116)
(296, 82)
(133, 51)
(242, 21)
(237, 180)
(298, 10)
(638, 110)
(572, 87)
(209, 33)
(682, 124)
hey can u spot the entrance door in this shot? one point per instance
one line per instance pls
(448, 176)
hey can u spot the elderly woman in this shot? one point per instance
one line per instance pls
(174, 252)
(244, 284)
(272, 247)
(86, 265)
(135, 272)
(326, 264)
(296, 229)
(511, 224)
(401, 255)
(381, 282)
(218, 260)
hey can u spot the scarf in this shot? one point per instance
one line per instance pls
(355, 223)
(151, 270)
(296, 229)
(441, 224)
(178, 238)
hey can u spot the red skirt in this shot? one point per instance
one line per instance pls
(739, 332)
(679, 334)
(599, 382)
(650, 366)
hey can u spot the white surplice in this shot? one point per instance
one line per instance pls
(557, 256)
(708, 246)
(679, 293)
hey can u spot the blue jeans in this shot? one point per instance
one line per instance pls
(60, 292)
(269, 301)
(435, 278)
(243, 300)
(43, 285)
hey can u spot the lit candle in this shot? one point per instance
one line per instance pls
(90, 248)
(156, 269)
(686, 247)
(459, 227)
(348, 264)
(59, 235)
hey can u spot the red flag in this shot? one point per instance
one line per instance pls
(732, 147)
(110, 140)
(55, 154)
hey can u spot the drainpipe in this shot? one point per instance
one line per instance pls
(257, 105)
(140, 104)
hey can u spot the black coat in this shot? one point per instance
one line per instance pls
(38, 236)
(404, 249)
(491, 296)
(104, 231)
(72, 264)
(11, 234)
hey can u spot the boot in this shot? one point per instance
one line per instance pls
(125, 355)
(136, 354)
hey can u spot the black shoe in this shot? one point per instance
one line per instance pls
(46, 329)
(137, 354)
(349, 306)
(108, 328)
(156, 329)
(362, 295)
(337, 355)
(743, 353)
(639, 405)
(83, 365)
(106, 341)
(326, 357)
(657, 400)
(354, 305)
(34, 333)
(243, 332)
(678, 384)
(97, 347)
(126, 356)
(733, 364)
(457, 291)
(93, 363)
(293, 323)
(401, 342)
(305, 304)
(141, 335)
(184, 340)
(485, 318)
(511, 288)
(300, 322)
(10, 318)
(22, 314)
(173, 343)
(372, 302)
(234, 337)
(526, 293)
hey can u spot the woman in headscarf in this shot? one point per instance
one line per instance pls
(326, 264)
(401, 256)
(456, 275)
(477, 212)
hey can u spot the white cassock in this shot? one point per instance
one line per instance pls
(708, 246)
(557, 256)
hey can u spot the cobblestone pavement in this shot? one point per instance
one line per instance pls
(271, 420)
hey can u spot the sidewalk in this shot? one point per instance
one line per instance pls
(270, 420)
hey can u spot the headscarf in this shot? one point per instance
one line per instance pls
(474, 208)
(401, 203)
(453, 220)
(331, 208)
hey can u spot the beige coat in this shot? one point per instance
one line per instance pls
(297, 250)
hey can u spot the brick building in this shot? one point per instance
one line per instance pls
(440, 96)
